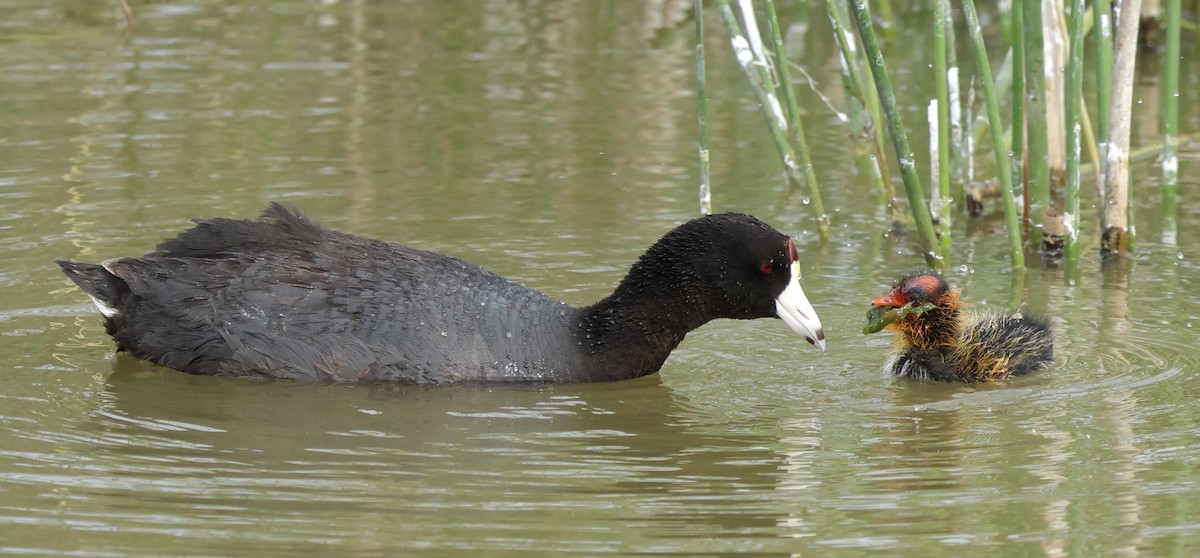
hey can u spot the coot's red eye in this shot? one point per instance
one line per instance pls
(766, 267)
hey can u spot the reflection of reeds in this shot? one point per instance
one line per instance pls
(997, 127)
(887, 99)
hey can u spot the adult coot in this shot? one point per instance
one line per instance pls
(282, 297)
(939, 340)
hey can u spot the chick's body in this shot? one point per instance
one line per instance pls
(953, 344)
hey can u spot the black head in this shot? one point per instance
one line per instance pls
(731, 265)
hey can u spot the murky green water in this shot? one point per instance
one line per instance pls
(550, 142)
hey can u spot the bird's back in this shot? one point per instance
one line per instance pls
(988, 347)
(284, 297)
(1015, 344)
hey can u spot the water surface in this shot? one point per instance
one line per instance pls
(551, 143)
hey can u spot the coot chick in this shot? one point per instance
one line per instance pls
(282, 297)
(939, 339)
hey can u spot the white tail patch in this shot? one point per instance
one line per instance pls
(106, 310)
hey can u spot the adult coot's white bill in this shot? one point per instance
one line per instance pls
(283, 297)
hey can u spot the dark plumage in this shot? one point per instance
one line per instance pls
(282, 297)
(948, 343)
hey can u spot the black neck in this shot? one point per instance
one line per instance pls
(631, 332)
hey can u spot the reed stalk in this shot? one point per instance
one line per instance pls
(1018, 95)
(1072, 102)
(941, 203)
(1170, 157)
(702, 112)
(1103, 49)
(887, 99)
(993, 109)
(869, 158)
(1037, 155)
(755, 68)
(1054, 35)
(1054, 41)
(989, 189)
(960, 162)
(129, 19)
(793, 112)
(1115, 238)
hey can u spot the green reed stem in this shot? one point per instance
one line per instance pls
(993, 110)
(887, 99)
(793, 112)
(1072, 103)
(960, 163)
(702, 112)
(944, 202)
(1170, 157)
(1037, 194)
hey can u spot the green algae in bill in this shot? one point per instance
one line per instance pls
(878, 317)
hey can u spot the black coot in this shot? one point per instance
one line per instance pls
(282, 297)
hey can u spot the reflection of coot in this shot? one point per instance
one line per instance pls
(282, 297)
(945, 343)
(624, 453)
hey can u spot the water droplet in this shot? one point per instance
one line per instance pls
(444, 334)
(508, 335)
